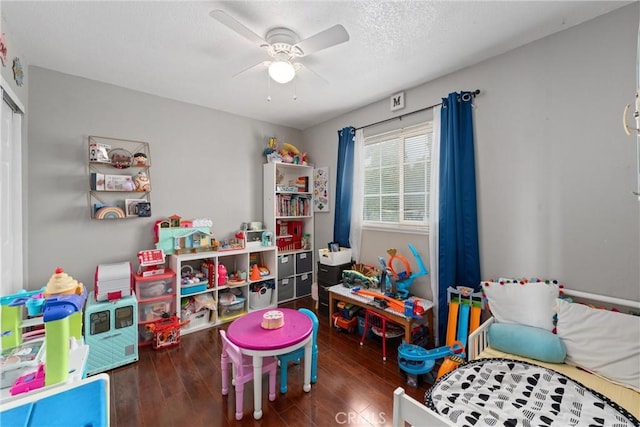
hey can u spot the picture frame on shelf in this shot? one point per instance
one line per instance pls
(144, 209)
(132, 206)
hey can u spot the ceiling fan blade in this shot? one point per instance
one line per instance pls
(226, 19)
(261, 64)
(299, 66)
(324, 39)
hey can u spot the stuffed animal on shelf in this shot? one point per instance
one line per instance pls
(141, 182)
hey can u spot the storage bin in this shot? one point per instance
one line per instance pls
(334, 258)
(260, 295)
(227, 309)
(155, 309)
(285, 289)
(331, 274)
(285, 266)
(198, 319)
(154, 286)
(303, 285)
(194, 288)
(145, 335)
(304, 262)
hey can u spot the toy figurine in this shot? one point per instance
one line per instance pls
(141, 182)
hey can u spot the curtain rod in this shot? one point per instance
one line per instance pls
(474, 94)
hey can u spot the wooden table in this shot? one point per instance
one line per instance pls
(342, 293)
(247, 333)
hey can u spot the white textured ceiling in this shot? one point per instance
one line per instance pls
(176, 50)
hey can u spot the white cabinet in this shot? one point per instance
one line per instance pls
(223, 280)
(288, 211)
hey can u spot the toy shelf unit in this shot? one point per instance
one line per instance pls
(215, 287)
(156, 295)
(119, 178)
(288, 210)
(111, 332)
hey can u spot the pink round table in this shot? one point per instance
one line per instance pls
(247, 333)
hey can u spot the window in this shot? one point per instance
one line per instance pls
(397, 172)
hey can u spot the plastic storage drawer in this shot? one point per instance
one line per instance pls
(285, 289)
(156, 309)
(285, 266)
(331, 274)
(303, 285)
(304, 262)
(228, 309)
(154, 286)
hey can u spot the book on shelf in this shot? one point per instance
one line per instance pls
(97, 181)
(118, 183)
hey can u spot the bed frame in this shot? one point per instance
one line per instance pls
(407, 409)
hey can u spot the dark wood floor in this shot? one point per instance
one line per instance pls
(180, 386)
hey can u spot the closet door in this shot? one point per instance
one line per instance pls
(11, 279)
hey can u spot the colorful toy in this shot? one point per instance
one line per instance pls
(398, 283)
(415, 360)
(351, 278)
(408, 307)
(62, 318)
(464, 305)
(166, 332)
(175, 235)
(28, 382)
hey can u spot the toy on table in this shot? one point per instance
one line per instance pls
(28, 382)
(351, 278)
(398, 283)
(408, 307)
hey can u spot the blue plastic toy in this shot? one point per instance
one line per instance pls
(398, 283)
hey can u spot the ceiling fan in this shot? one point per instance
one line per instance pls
(283, 45)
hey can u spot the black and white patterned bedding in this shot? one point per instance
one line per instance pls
(505, 392)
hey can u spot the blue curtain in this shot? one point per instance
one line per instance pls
(344, 189)
(459, 259)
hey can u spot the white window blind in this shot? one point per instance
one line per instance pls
(397, 171)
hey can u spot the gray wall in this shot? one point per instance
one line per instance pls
(555, 171)
(205, 164)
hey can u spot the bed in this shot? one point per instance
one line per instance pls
(497, 387)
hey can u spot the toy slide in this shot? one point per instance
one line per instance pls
(475, 319)
(452, 322)
(463, 324)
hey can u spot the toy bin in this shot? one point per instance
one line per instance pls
(231, 308)
(260, 294)
(198, 319)
(334, 258)
(155, 286)
(152, 310)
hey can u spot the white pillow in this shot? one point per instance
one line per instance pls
(524, 302)
(604, 342)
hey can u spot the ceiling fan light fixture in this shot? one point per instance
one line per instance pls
(282, 71)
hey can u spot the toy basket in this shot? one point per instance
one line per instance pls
(192, 281)
(231, 308)
(166, 332)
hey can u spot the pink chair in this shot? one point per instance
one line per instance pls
(243, 371)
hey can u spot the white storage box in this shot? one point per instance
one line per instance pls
(334, 258)
(260, 298)
(113, 281)
(198, 319)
